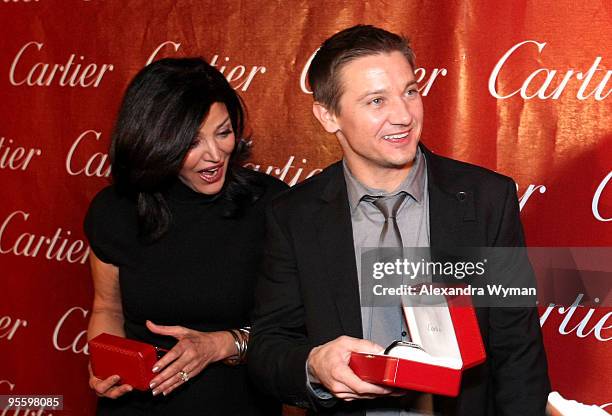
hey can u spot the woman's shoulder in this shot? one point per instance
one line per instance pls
(109, 199)
(110, 210)
(270, 185)
(110, 221)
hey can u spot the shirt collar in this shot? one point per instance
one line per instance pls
(413, 184)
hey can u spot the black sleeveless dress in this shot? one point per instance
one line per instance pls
(200, 275)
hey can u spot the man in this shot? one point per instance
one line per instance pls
(308, 316)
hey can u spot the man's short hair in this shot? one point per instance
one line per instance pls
(342, 48)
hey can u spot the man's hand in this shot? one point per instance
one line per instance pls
(328, 365)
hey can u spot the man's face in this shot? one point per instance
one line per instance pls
(381, 114)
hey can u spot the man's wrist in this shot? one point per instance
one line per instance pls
(310, 374)
(316, 389)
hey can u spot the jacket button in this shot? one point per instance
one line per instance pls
(461, 196)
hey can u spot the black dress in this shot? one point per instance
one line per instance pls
(200, 275)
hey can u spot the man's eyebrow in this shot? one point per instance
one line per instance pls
(381, 91)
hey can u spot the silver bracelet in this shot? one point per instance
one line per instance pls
(244, 343)
(241, 339)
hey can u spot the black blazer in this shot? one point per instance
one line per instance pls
(307, 292)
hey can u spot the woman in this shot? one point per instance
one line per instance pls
(176, 241)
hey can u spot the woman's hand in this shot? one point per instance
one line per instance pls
(109, 387)
(191, 354)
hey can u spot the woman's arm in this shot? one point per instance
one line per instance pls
(107, 312)
(106, 316)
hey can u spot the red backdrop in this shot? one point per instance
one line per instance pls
(521, 87)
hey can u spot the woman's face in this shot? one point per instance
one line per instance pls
(205, 165)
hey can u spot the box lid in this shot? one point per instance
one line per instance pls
(447, 329)
(113, 342)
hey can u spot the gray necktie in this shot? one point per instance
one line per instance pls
(387, 322)
(389, 205)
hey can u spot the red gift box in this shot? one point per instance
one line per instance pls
(129, 359)
(450, 340)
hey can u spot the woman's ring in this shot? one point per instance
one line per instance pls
(183, 375)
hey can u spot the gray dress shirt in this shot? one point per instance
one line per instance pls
(412, 219)
(367, 221)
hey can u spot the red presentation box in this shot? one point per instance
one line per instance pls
(131, 360)
(448, 341)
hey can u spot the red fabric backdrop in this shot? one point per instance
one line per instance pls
(521, 87)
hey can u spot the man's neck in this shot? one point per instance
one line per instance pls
(386, 179)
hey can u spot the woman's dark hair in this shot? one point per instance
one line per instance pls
(161, 114)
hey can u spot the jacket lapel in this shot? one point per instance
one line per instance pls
(335, 237)
(451, 205)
